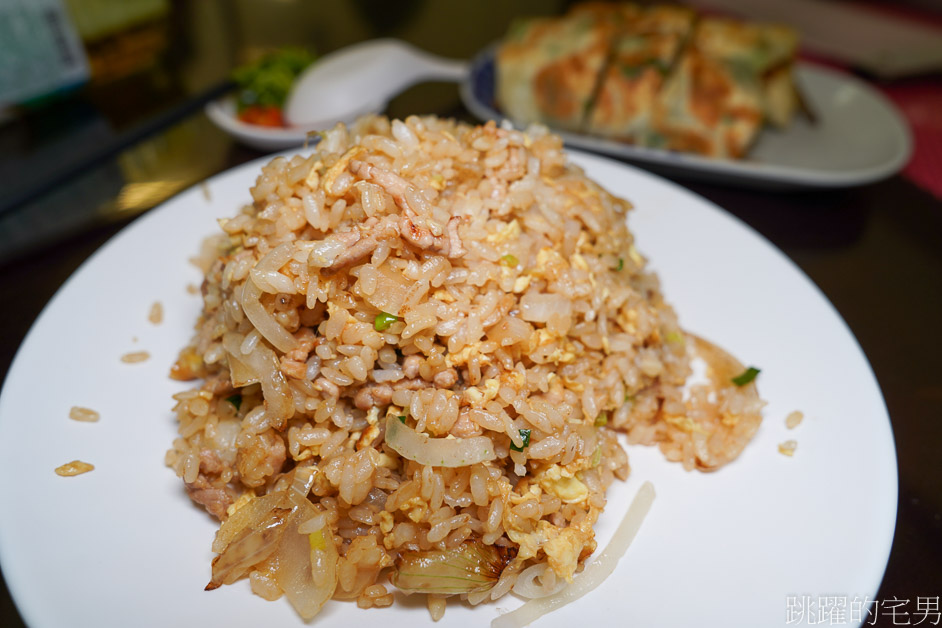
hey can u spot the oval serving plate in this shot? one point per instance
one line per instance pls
(858, 136)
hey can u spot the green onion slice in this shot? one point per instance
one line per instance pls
(746, 376)
(525, 435)
(383, 320)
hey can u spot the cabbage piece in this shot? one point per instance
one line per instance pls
(472, 566)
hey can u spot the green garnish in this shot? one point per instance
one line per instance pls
(629, 398)
(383, 321)
(402, 419)
(664, 67)
(675, 337)
(510, 261)
(630, 71)
(597, 456)
(601, 419)
(746, 376)
(235, 400)
(266, 82)
(525, 435)
(620, 265)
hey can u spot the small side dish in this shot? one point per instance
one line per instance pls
(263, 86)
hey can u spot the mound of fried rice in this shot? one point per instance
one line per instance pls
(417, 346)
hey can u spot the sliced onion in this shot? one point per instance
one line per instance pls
(247, 517)
(252, 546)
(437, 452)
(595, 572)
(264, 322)
(263, 362)
(526, 585)
(239, 372)
(307, 567)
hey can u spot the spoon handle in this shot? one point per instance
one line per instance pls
(433, 68)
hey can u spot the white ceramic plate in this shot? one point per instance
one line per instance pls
(858, 137)
(124, 546)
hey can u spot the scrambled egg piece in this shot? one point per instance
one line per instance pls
(437, 181)
(563, 551)
(478, 397)
(369, 435)
(626, 320)
(386, 522)
(331, 175)
(513, 379)
(525, 490)
(510, 231)
(579, 262)
(686, 424)
(462, 357)
(443, 295)
(521, 284)
(415, 509)
(549, 262)
(563, 546)
(563, 483)
(385, 460)
(562, 354)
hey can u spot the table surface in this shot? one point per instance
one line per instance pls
(875, 252)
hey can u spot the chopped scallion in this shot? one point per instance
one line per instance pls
(621, 264)
(402, 419)
(235, 400)
(746, 376)
(510, 261)
(525, 435)
(601, 419)
(383, 321)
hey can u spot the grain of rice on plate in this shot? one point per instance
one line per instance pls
(416, 348)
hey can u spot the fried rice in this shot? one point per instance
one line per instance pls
(417, 347)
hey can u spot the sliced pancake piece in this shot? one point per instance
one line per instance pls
(756, 52)
(703, 108)
(547, 68)
(648, 44)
